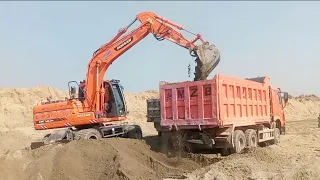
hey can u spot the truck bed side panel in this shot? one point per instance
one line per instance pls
(243, 102)
(189, 104)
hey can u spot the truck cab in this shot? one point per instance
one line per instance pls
(279, 101)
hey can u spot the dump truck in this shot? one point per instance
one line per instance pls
(224, 113)
(96, 106)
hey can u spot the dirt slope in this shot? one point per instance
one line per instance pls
(303, 107)
(16, 128)
(93, 159)
(16, 105)
(297, 157)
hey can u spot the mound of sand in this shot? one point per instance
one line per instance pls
(16, 125)
(93, 159)
(16, 106)
(297, 157)
(303, 107)
(16, 112)
(110, 158)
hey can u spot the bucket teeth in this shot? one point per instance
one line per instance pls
(208, 58)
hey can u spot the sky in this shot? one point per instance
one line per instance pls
(51, 43)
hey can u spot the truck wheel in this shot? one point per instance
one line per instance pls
(276, 139)
(239, 141)
(134, 132)
(88, 134)
(225, 151)
(251, 138)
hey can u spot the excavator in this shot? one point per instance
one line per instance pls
(96, 107)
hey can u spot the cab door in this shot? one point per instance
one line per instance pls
(115, 104)
(279, 100)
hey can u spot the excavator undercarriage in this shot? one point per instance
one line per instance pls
(94, 132)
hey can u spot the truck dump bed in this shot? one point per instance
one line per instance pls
(221, 101)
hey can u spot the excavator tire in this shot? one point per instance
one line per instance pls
(88, 134)
(134, 132)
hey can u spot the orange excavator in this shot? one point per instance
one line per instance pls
(96, 107)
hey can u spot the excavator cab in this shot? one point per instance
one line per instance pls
(114, 105)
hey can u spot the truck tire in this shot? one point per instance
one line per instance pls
(225, 151)
(251, 138)
(134, 132)
(276, 139)
(239, 141)
(88, 134)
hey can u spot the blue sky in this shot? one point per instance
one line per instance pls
(51, 43)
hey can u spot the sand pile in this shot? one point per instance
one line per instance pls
(16, 125)
(297, 157)
(16, 106)
(110, 158)
(95, 159)
(303, 107)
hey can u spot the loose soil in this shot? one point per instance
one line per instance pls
(296, 157)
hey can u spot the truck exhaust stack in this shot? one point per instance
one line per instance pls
(208, 58)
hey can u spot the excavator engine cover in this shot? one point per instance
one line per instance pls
(208, 58)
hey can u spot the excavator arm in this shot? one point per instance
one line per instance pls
(207, 56)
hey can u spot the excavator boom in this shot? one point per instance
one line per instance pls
(207, 56)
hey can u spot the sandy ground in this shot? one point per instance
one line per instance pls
(296, 157)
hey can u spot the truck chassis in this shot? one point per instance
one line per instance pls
(227, 140)
(96, 131)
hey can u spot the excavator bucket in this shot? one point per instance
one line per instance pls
(57, 136)
(208, 58)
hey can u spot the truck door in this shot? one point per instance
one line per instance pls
(278, 105)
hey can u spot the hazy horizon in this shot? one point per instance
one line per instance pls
(51, 43)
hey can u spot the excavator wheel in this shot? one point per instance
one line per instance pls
(208, 58)
(134, 132)
(88, 134)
